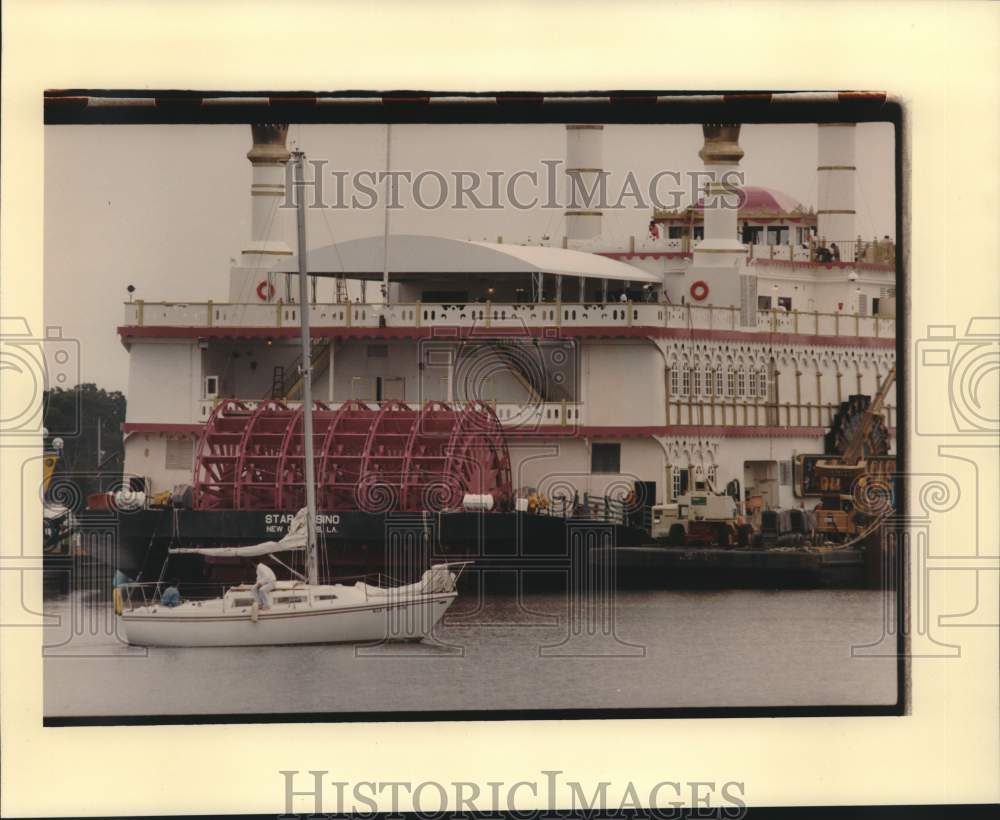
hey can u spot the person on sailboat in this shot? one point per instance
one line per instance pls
(266, 579)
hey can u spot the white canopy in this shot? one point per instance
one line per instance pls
(294, 540)
(416, 254)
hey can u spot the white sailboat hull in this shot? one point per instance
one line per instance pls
(392, 618)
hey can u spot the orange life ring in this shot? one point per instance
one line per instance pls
(265, 291)
(699, 290)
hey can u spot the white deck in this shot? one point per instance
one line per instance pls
(504, 316)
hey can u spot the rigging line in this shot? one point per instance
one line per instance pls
(279, 561)
(333, 240)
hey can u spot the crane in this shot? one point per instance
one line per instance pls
(836, 517)
(855, 448)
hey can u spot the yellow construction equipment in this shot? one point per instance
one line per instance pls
(843, 478)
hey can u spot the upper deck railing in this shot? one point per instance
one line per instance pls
(504, 316)
(525, 415)
(873, 254)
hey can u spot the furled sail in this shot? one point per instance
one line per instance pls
(295, 539)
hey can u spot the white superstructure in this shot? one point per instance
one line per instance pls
(736, 344)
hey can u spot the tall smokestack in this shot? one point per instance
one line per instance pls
(721, 155)
(584, 171)
(835, 177)
(268, 157)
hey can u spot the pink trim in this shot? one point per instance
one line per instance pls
(725, 431)
(570, 430)
(863, 96)
(691, 430)
(610, 332)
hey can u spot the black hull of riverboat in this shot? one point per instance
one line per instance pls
(659, 566)
(510, 549)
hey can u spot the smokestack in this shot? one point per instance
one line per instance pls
(268, 157)
(584, 174)
(835, 178)
(721, 155)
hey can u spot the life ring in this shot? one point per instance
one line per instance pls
(699, 290)
(265, 291)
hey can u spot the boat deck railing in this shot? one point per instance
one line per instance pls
(701, 411)
(503, 316)
(589, 507)
(876, 254)
(135, 594)
(521, 416)
(739, 412)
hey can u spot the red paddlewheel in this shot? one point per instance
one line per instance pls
(218, 452)
(390, 458)
(478, 459)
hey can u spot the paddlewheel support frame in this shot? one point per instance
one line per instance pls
(390, 457)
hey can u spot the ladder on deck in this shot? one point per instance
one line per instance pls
(278, 382)
(341, 290)
(320, 360)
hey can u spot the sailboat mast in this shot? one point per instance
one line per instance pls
(312, 565)
(389, 190)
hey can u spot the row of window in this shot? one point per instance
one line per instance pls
(680, 479)
(749, 383)
(751, 234)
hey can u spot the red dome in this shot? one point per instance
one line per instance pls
(763, 199)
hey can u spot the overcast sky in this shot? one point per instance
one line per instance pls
(165, 207)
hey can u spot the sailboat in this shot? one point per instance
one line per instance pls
(300, 610)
